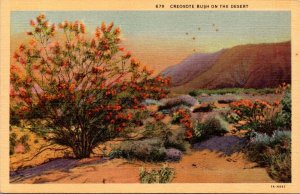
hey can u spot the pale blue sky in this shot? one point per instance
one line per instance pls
(165, 31)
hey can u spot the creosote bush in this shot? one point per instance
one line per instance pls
(78, 90)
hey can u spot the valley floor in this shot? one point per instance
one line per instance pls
(209, 162)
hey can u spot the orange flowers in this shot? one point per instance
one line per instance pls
(127, 55)
(72, 87)
(82, 28)
(245, 103)
(183, 117)
(262, 103)
(32, 23)
(97, 69)
(189, 134)
(22, 92)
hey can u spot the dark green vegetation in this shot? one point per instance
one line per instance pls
(273, 152)
(209, 128)
(223, 91)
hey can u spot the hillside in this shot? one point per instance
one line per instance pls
(247, 66)
(190, 67)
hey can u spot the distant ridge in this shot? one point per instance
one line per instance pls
(190, 67)
(248, 66)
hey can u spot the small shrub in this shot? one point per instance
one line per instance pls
(274, 152)
(214, 126)
(183, 117)
(150, 150)
(163, 175)
(258, 116)
(115, 153)
(193, 93)
(156, 129)
(177, 139)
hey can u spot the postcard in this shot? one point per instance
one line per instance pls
(144, 96)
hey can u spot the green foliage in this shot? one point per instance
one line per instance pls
(213, 126)
(163, 175)
(284, 118)
(232, 91)
(115, 153)
(274, 152)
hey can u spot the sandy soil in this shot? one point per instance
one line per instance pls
(197, 167)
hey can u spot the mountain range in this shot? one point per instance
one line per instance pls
(247, 66)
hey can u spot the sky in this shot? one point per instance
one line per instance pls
(164, 38)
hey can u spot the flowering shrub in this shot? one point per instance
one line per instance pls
(183, 116)
(261, 116)
(81, 90)
(255, 116)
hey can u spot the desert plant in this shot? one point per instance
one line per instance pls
(115, 153)
(163, 175)
(156, 129)
(261, 116)
(274, 152)
(213, 126)
(176, 138)
(80, 89)
(150, 150)
(183, 117)
(257, 116)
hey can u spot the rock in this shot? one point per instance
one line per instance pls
(204, 107)
(204, 95)
(174, 154)
(225, 101)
